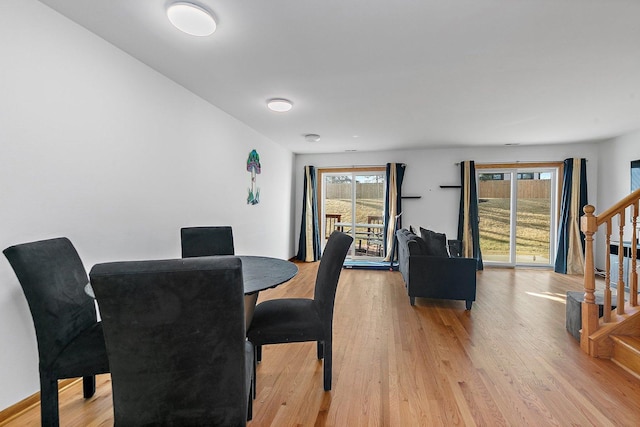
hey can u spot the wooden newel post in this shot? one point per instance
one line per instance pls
(590, 314)
(633, 277)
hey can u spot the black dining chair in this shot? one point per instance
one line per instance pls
(70, 339)
(206, 241)
(300, 319)
(175, 337)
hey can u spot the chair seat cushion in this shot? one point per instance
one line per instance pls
(84, 355)
(285, 320)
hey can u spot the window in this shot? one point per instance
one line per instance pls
(518, 213)
(491, 176)
(527, 175)
(351, 200)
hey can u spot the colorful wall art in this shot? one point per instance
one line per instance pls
(253, 166)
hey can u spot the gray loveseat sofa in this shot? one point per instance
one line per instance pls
(428, 270)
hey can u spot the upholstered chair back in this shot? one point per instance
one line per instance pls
(329, 270)
(206, 241)
(70, 339)
(53, 278)
(175, 337)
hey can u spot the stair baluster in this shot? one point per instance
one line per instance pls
(592, 343)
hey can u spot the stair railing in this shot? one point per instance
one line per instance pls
(589, 226)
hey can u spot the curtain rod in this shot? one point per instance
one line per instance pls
(355, 166)
(513, 162)
(522, 161)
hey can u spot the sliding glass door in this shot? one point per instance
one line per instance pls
(352, 201)
(517, 210)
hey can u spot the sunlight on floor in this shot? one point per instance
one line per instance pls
(549, 295)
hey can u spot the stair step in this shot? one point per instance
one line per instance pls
(626, 353)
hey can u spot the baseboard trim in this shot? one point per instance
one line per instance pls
(27, 403)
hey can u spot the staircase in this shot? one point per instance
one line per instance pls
(626, 353)
(616, 335)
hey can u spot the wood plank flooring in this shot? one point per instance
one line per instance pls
(507, 362)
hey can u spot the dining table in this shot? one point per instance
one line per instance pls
(258, 274)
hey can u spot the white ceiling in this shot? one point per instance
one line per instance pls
(381, 74)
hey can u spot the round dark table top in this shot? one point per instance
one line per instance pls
(260, 273)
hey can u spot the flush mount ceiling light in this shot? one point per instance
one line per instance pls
(279, 105)
(191, 19)
(312, 137)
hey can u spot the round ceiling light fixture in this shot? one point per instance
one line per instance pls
(312, 137)
(191, 19)
(279, 105)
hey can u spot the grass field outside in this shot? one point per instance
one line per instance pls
(532, 232)
(532, 229)
(364, 208)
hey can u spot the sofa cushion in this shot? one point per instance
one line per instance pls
(436, 243)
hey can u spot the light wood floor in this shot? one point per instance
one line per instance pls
(507, 362)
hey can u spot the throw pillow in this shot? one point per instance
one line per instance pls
(436, 242)
(422, 246)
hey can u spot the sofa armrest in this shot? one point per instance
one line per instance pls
(440, 277)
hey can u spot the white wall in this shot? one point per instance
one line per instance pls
(98, 147)
(617, 155)
(428, 169)
(615, 180)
